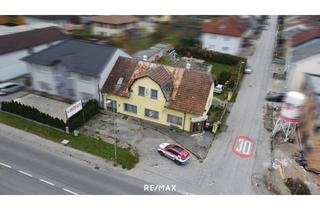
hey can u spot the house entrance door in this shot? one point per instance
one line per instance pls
(197, 127)
(112, 105)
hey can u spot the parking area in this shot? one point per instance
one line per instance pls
(129, 134)
(134, 134)
(46, 105)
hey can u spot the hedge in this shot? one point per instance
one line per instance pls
(198, 52)
(32, 113)
(90, 109)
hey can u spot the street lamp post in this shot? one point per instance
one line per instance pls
(114, 132)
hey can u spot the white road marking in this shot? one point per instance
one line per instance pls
(69, 191)
(47, 182)
(25, 173)
(5, 165)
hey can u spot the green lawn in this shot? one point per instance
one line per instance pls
(83, 142)
(224, 95)
(217, 68)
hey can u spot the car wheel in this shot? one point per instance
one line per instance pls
(161, 153)
(177, 162)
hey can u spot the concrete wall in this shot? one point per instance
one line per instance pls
(310, 136)
(110, 30)
(158, 105)
(296, 71)
(217, 42)
(42, 74)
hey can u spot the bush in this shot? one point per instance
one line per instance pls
(223, 77)
(198, 52)
(90, 109)
(33, 114)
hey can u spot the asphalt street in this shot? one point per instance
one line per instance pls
(231, 173)
(26, 169)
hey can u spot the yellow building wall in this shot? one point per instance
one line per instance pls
(158, 105)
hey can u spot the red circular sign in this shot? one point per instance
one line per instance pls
(243, 146)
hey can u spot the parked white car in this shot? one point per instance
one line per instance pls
(248, 70)
(218, 89)
(9, 87)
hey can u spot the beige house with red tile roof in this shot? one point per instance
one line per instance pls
(224, 34)
(161, 94)
(113, 25)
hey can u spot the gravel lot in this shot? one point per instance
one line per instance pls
(46, 105)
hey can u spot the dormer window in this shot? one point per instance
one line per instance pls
(141, 91)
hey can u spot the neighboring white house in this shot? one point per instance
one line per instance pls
(113, 25)
(303, 57)
(73, 69)
(224, 34)
(15, 46)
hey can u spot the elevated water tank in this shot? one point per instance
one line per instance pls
(292, 105)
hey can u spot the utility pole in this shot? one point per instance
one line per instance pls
(109, 102)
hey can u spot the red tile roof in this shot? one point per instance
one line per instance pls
(190, 89)
(230, 26)
(28, 39)
(303, 37)
(158, 74)
(193, 92)
(115, 19)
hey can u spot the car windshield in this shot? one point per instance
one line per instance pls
(179, 149)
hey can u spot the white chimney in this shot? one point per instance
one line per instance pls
(144, 57)
(188, 66)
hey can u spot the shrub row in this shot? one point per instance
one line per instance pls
(90, 109)
(198, 52)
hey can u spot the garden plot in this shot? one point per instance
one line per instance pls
(46, 105)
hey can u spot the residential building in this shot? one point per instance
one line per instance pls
(153, 53)
(224, 34)
(295, 25)
(303, 57)
(15, 46)
(73, 69)
(161, 94)
(113, 25)
(310, 126)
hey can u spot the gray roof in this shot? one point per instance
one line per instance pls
(78, 56)
(152, 50)
(306, 51)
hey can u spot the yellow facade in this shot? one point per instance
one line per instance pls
(146, 102)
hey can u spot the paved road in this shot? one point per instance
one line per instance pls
(231, 173)
(26, 169)
(223, 172)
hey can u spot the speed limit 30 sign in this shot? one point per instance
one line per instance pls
(243, 146)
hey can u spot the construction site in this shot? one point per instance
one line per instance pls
(289, 173)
